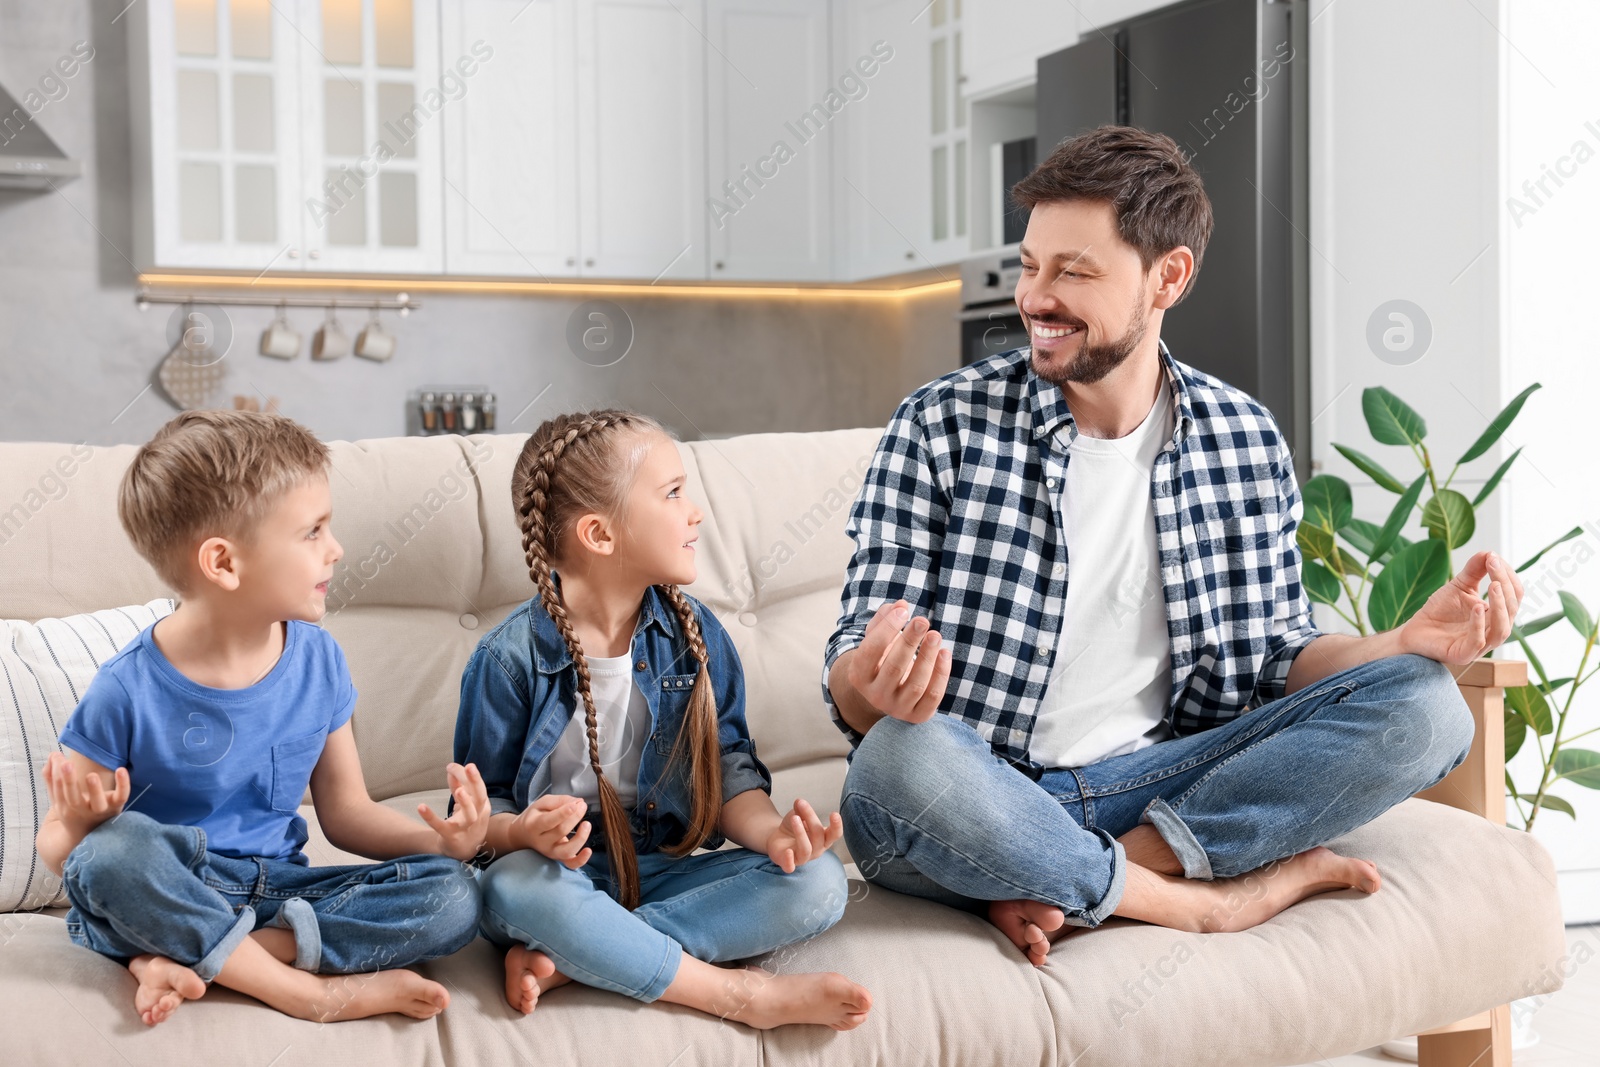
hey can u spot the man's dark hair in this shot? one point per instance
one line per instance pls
(1158, 197)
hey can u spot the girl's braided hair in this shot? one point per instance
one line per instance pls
(576, 464)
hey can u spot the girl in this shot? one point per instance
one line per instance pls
(611, 689)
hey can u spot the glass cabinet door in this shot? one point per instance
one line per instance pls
(222, 137)
(372, 106)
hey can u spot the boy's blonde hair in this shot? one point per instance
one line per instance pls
(211, 474)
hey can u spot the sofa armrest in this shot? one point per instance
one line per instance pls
(1479, 784)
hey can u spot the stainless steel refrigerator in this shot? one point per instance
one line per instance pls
(1226, 79)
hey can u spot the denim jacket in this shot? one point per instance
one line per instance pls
(519, 691)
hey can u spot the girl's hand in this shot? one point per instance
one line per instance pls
(462, 835)
(82, 802)
(800, 837)
(544, 825)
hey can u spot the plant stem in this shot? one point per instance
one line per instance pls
(1545, 781)
(1355, 605)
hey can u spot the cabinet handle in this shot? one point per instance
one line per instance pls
(315, 253)
(719, 264)
(909, 255)
(294, 253)
(588, 263)
(572, 261)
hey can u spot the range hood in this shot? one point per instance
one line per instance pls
(29, 159)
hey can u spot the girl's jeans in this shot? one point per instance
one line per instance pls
(715, 906)
(139, 886)
(929, 810)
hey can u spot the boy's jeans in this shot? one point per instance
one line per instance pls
(138, 886)
(929, 810)
(725, 905)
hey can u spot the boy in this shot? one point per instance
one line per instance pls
(173, 815)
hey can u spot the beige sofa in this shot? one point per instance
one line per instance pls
(1467, 919)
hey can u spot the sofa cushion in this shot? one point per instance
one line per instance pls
(45, 667)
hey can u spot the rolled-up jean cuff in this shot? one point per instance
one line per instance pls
(1109, 900)
(297, 914)
(671, 959)
(1179, 838)
(212, 962)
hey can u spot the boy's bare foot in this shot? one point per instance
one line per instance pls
(358, 996)
(163, 985)
(769, 1000)
(1031, 925)
(529, 972)
(1252, 899)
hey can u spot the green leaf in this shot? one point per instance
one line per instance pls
(1530, 705)
(1362, 534)
(1579, 765)
(1368, 466)
(1314, 541)
(1390, 419)
(1576, 614)
(1414, 574)
(1543, 622)
(1327, 502)
(1576, 531)
(1449, 517)
(1348, 565)
(1390, 534)
(1494, 479)
(1497, 427)
(1548, 801)
(1553, 685)
(1320, 583)
(1516, 733)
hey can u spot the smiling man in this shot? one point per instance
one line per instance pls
(1074, 655)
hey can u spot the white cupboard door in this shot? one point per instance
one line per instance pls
(641, 139)
(510, 148)
(770, 109)
(373, 100)
(884, 205)
(215, 98)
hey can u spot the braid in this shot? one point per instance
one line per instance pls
(699, 731)
(531, 484)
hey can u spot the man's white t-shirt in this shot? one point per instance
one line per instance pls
(1111, 679)
(622, 719)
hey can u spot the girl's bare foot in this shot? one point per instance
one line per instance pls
(529, 972)
(163, 985)
(768, 1000)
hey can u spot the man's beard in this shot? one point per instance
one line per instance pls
(1094, 362)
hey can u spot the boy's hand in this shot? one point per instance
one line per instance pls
(461, 836)
(81, 801)
(544, 825)
(800, 837)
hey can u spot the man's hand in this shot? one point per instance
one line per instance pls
(1456, 626)
(544, 825)
(801, 837)
(461, 836)
(82, 802)
(900, 668)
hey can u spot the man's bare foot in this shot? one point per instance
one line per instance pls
(1251, 899)
(1031, 925)
(529, 972)
(358, 996)
(768, 1000)
(163, 985)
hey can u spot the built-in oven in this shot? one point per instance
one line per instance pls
(990, 321)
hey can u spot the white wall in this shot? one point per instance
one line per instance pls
(1552, 106)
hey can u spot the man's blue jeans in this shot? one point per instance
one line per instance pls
(929, 809)
(725, 905)
(139, 886)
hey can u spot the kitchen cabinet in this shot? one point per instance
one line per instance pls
(295, 135)
(769, 139)
(1002, 40)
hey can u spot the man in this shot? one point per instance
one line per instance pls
(1074, 655)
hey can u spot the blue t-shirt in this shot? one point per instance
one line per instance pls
(234, 762)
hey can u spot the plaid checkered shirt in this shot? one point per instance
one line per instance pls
(961, 516)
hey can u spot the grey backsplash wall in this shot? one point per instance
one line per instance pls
(75, 352)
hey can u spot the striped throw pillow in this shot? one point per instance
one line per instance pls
(44, 668)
